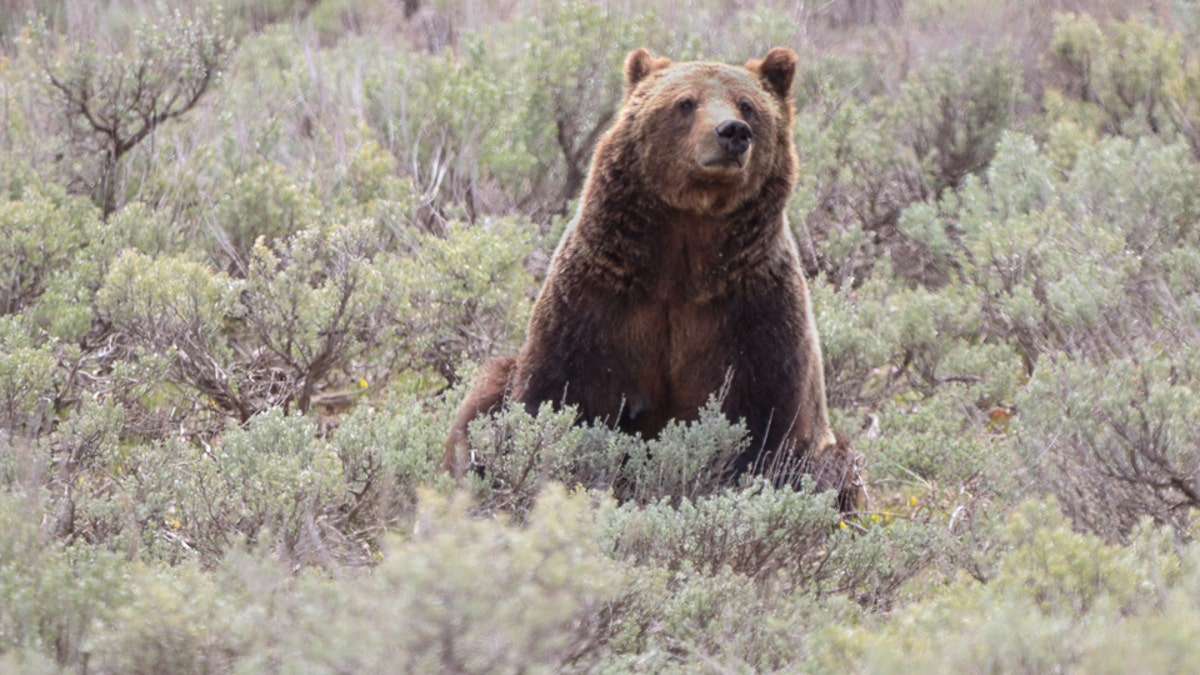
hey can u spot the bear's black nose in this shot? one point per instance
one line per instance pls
(734, 136)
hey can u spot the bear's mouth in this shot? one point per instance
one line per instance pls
(724, 163)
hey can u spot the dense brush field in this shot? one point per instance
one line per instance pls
(251, 255)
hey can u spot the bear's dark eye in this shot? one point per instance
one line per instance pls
(746, 109)
(686, 105)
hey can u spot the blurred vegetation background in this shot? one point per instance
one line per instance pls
(251, 253)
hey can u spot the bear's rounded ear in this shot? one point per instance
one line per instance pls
(778, 69)
(639, 64)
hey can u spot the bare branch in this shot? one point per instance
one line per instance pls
(113, 98)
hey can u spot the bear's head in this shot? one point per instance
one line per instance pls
(708, 136)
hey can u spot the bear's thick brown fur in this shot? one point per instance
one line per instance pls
(679, 277)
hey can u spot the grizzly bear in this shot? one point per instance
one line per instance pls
(679, 278)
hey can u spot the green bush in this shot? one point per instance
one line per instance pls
(271, 482)
(696, 622)
(854, 182)
(313, 309)
(458, 299)
(264, 205)
(46, 233)
(388, 451)
(462, 594)
(177, 309)
(30, 379)
(1059, 601)
(1115, 442)
(173, 621)
(943, 440)
(50, 595)
(756, 531)
(953, 115)
(1122, 68)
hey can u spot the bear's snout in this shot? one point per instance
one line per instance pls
(734, 136)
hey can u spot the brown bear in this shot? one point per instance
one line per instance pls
(679, 278)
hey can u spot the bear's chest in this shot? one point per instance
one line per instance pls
(687, 265)
(678, 355)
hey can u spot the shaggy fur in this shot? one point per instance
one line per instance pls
(679, 277)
